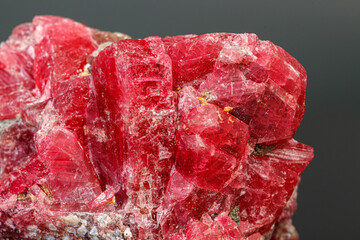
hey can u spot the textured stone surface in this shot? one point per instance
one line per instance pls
(185, 137)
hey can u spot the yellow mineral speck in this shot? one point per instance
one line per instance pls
(84, 73)
(144, 211)
(219, 115)
(204, 94)
(21, 196)
(112, 201)
(228, 109)
(230, 119)
(178, 89)
(47, 191)
(25, 196)
(203, 101)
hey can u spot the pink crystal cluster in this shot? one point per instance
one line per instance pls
(185, 137)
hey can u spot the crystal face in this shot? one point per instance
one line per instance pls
(184, 137)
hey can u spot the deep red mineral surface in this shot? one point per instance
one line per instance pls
(179, 138)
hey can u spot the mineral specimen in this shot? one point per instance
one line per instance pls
(185, 137)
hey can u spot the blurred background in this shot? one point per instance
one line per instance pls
(324, 36)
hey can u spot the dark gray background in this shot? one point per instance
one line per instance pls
(323, 35)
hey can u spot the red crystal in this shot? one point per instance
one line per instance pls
(142, 104)
(185, 137)
(211, 145)
(263, 84)
(193, 57)
(271, 175)
(102, 199)
(16, 145)
(61, 50)
(24, 176)
(72, 178)
(16, 81)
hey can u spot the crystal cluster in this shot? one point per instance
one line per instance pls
(179, 138)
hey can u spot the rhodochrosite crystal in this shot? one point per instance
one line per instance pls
(179, 138)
